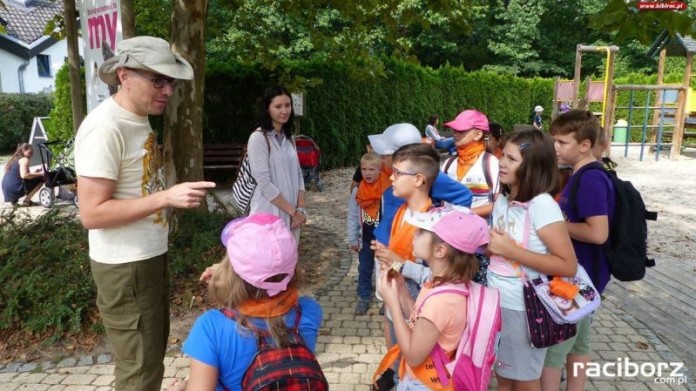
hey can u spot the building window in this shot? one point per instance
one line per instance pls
(43, 63)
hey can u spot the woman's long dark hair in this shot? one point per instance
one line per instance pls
(265, 121)
(433, 119)
(19, 153)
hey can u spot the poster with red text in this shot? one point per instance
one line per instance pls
(100, 22)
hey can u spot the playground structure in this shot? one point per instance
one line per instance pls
(680, 117)
(669, 116)
(568, 91)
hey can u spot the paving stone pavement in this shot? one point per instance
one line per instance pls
(350, 347)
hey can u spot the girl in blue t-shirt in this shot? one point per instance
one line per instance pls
(257, 282)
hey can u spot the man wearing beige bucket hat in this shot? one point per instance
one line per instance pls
(122, 201)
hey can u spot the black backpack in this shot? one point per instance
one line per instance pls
(627, 251)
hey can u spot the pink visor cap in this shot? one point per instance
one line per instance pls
(261, 246)
(393, 138)
(460, 228)
(469, 119)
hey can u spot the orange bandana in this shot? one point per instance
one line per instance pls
(401, 236)
(387, 170)
(425, 372)
(370, 194)
(467, 157)
(270, 307)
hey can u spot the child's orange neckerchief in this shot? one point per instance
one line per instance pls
(401, 236)
(425, 372)
(370, 194)
(467, 157)
(387, 170)
(270, 307)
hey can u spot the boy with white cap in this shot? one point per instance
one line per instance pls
(536, 120)
(122, 201)
(443, 189)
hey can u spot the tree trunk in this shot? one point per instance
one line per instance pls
(71, 38)
(127, 19)
(183, 118)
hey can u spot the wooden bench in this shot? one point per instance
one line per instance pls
(223, 156)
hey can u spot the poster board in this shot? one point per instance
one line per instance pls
(100, 23)
(38, 136)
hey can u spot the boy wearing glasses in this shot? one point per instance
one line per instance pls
(122, 201)
(414, 169)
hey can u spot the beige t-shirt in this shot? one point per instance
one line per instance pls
(113, 143)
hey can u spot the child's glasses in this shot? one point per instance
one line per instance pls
(398, 173)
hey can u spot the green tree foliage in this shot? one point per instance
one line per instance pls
(514, 38)
(60, 126)
(18, 112)
(628, 21)
(153, 17)
(268, 32)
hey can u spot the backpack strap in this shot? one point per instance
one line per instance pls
(486, 171)
(487, 174)
(575, 184)
(265, 137)
(262, 334)
(438, 355)
(573, 202)
(448, 163)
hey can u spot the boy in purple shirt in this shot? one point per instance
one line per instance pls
(588, 219)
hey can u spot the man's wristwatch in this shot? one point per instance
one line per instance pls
(301, 210)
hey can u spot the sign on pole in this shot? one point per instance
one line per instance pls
(298, 104)
(100, 21)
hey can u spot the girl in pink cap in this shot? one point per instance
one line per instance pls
(448, 240)
(474, 167)
(255, 288)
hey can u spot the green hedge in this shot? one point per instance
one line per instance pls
(60, 126)
(17, 112)
(341, 111)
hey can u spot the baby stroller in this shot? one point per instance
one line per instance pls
(310, 158)
(60, 174)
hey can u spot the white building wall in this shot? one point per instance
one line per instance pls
(8, 71)
(33, 83)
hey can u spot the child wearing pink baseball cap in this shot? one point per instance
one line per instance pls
(448, 239)
(255, 286)
(475, 167)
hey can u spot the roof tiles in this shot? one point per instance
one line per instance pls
(27, 24)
